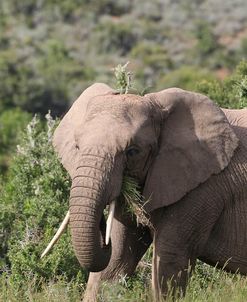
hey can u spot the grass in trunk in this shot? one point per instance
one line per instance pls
(135, 201)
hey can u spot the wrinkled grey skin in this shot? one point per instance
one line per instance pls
(183, 152)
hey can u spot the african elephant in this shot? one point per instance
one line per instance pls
(190, 160)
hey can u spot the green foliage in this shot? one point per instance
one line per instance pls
(51, 50)
(130, 189)
(206, 285)
(153, 61)
(206, 40)
(244, 47)
(134, 200)
(113, 37)
(14, 75)
(123, 78)
(33, 202)
(111, 7)
(152, 55)
(242, 88)
(186, 77)
(47, 84)
(209, 52)
(59, 290)
(12, 122)
(60, 73)
(231, 92)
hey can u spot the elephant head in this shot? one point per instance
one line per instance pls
(170, 142)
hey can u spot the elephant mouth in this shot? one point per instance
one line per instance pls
(106, 224)
(102, 227)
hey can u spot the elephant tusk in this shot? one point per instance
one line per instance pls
(57, 235)
(109, 222)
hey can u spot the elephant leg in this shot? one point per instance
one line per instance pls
(129, 243)
(182, 231)
(171, 268)
(93, 283)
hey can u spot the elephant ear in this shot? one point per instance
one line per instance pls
(64, 135)
(196, 141)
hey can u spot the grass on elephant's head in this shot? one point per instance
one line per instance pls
(124, 81)
(123, 78)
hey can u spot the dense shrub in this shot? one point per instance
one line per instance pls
(114, 36)
(153, 61)
(12, 122)
(111, 7)
(33, 203)
(60, 74)
(49, 82)
(231, 92)
(206, 40)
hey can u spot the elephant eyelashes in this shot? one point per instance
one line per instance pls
(132, 152)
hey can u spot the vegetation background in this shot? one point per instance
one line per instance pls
(50, 51)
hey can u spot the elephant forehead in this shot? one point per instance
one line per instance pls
(128, 107)
(114, 121)
(111, 130)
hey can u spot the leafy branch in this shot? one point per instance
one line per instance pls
(123, 78)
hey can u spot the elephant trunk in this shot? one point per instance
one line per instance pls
(88, 198)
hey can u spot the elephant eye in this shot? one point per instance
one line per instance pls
(132, 151)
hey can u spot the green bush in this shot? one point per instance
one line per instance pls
(14, 77)
(206, 40)
(186, 77)
(228, 93)
(110, 36)
(111, 7)
(231, 92)
(59, 74)
(48, 82)
(12, 122)
(33, 202)
(153, 61)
